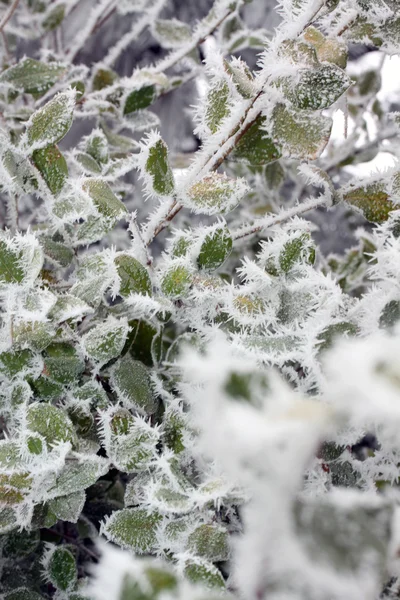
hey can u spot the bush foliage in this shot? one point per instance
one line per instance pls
(196, 401)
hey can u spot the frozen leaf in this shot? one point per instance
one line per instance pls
(21, 259)
(329, 49)
(54, 17)
(14, 487)
(330, 334)
(256, 147)
(209, 542)
(33, 77)
(88, 163)
(215, 249)
(217, 106)
(97, 146)
(155, 168)
(59, 568)
(171, 33)
(302, 135)
(56, 251)
(50, 422)
(103, 78)
(13, 363)
(134, 278)
(204, 573)
(80, 472)
(215, 194)
(104, 199)
(52, 166)
(68, 508)
(139, 99)
(22, 593)
(131, 381)
(319, 88)
(390, 314)
(62, 362)
(299, 249)
(35, 334)
(133, 528)
(8, 519)
(177, 280)
(18, 544)
(372, 200)
(106, 341)
(51, 123)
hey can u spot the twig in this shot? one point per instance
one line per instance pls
(266, 222)
(8, 14)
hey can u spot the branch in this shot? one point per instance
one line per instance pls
(267, 222)
(8, 14)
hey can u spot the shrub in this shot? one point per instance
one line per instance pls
(184, 373)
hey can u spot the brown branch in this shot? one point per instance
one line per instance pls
(8, 14)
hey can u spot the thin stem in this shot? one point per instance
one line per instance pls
(8, 14)
(267, 222)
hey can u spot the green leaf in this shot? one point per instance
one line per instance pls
(134, 277)
(18, 544)
(296, 251)
(22, 593)
(215, 249)
(176, 281)
(60, 568)
(79, 473)
(104, 199)
(14, 487)
(52, 166)
(32, 76)
(204, 573)
(210, 542)
(139, 99)
(216, 193)
(36, 334)
(103, 78)
(131, 381)
(11, 270)
(97, 146)
(13, 362)
(50, 124)
(255, 147)
(8, 520)
(302, 135)
(319, 88)
(171, 33)
(134, 529)
(106, 341)
(57, 252)
(390, 314)
(54, 17)
(132, 444)
(88, 164)
(372, 200)
(158, 170)
(217, 105)
(68, 508)
(50, 422)
(62, 363)
(328, 336)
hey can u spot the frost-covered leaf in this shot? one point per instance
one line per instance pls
(59, 568)
(171, 33)
(104, 199)
(319, 88)
(176, 280)
(54, 17)
(372, 200)
(155, 168)
(79, 472)
(139, 99)
(302, 135)
(69, 507)
(51, 123)
(56, 251)
(96, 145)
(52, 166)
(215, 194)
(133, 528)
(32, 76)
(35, 334)
(21, 259)
(217, 106)
(18, 363)
(256, 147)
(23, 593)
(209, 542)
(215, 249)
(50, 422)
(106, 340)
(62, 362)
(131, 381)
(203, 573)
(134, 278)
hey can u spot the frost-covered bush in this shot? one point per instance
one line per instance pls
(195, 401)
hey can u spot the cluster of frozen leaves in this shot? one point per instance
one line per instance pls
(222, 405)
